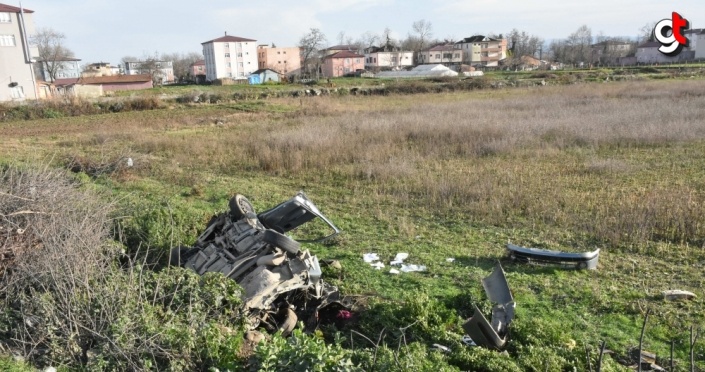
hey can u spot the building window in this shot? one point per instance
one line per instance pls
(227, 45)
(227, 55)
(5, 18)
(438, 55)
(239, 64)
(456, 55)
(279, 52)
(17, 92)
(239, 54)
(229, 65)
(7, 40)
(285, 52)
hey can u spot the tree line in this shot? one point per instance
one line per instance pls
(573, 49)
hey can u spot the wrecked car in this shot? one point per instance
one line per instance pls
(282, 282)
(493, 335)
(584, 260)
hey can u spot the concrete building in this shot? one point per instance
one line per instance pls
(197, 72)
(342, 63)
(377, 59)
(482, 50)
(67, 68)
(286, 61)
(610, 52)
(648, 53)
(162, 72)
(17, 80)
(230, 57)
(445, 54)
(98, 69)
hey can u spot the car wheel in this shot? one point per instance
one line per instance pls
(240, 207)
(281, 241)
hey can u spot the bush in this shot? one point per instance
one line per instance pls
(67, 301)
(302, 352)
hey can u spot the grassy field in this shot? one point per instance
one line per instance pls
(616, 166)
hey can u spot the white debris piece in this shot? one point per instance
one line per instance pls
(412, 268)
(468, 341)
(442, 348)
(399, 259)
(450, 259)
(394, 271)
(377, 265)
(130, 162)
(677, 294)
(370, 257)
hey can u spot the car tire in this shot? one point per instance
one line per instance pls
(240, 207)
(281, 241)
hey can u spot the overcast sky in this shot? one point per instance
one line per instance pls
(102, 30)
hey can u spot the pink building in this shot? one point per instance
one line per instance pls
(342, 63)
(285, 61)
(197, 71)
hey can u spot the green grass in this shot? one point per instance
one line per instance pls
(440, 176)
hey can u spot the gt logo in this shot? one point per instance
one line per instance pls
(669, 32)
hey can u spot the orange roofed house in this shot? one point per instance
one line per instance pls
(94, 86)
(342, 63)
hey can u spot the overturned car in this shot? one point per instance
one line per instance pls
(282, 283)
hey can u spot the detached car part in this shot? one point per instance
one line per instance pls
(494, 334)
(282, 283)
(585, 260)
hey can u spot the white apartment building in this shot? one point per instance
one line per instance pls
(230, 57)
(17, 80)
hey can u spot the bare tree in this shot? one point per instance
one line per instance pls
(522, 44)
(424, 31)
(181, 63)
(579, 42)
(367, 40)
(646, 32)
(310, 45)
(52, 52)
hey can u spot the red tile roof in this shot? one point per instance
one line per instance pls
(345, 54)
(13, 9)
(201, 62)
(228, 39)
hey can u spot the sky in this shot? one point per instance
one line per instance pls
(107, 31)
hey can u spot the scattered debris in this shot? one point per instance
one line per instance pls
(377, 265)
(493, 335)
(370, 257)
(450, 259)
(585, 260)
(394, 271)
(413, 268)
(677, 294)
(467, 340)
(441, 348)
(282, 282)
(399, 259)
(648, 360)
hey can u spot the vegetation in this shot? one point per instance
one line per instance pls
(617, 166)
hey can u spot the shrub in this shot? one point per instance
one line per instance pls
(67, 300)
(302, 352)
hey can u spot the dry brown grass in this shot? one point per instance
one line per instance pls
(595, 159)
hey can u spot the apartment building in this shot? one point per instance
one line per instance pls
(445, 54)
(482, 50)
(377, 59)
(229, 57)
(17, 80)
(285, 61)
